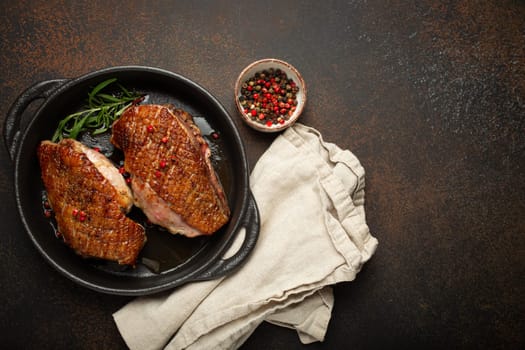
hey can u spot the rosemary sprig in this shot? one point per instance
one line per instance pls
(101, 111)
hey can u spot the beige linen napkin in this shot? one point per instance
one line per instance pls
(313, 234)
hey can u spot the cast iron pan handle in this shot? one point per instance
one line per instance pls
(252, 224)
(12, 131)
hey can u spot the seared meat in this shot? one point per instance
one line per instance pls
(172, 179)
(90, 200)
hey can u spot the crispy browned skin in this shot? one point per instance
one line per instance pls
(171, 174)
(89, 208)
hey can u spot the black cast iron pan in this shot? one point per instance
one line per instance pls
(167, 260)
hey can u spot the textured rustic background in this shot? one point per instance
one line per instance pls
(430, 95)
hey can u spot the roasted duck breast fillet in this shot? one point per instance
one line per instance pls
(90, 200)
(172, 178)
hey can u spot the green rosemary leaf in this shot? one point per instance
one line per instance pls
(57, 136)
(109, 98)
(99, 87)
(100, 130)
(101, 111)
(77, 127)
(121, 110)
(125, 91)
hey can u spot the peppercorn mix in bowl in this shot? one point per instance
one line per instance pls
(270, 95)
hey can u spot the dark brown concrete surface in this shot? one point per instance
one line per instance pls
(430, 95)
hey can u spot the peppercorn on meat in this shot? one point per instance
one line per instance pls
(172, 178)
(90, 200)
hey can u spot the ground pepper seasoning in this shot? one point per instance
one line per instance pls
(269, 97)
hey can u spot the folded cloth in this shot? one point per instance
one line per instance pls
(310, 195)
